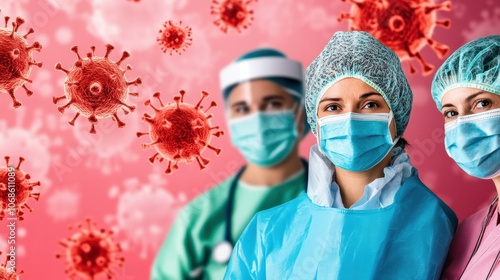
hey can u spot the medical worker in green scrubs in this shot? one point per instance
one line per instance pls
(263, 96)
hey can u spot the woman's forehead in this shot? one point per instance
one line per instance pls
(461, 94)
(348, 88)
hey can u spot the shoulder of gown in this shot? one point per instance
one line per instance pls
(463, 244)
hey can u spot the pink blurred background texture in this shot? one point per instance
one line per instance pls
(107, 176)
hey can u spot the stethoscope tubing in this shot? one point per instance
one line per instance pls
(229, 205)
(232, 191)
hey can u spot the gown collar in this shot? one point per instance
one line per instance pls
(323, 191)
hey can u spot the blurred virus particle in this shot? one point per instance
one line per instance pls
(122, 23)
(27, 137)
(137, 217)
(190, 70)
(91, 252)
(96, 87)
(232, 14)
(405, 26)
(67, 199)
(16, 59)
(180, 131)
(22, 187)
(6, 272)
(488, 24)
(109, 148)
(20, 237)
(174, 37)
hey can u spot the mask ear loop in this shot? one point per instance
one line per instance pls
(396, 140)
(318, 136)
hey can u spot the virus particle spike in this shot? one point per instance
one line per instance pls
(5, 274)
(24, 189)
(90, 252)
(174, 37)
(179, 131)
(405, 26)
(16, 59)
(96, 87)
(232, 14)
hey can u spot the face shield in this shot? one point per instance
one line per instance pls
(261, 109)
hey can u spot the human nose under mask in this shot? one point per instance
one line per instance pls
(473, 141)
(356, 142)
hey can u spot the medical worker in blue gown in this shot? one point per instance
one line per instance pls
(366, 214)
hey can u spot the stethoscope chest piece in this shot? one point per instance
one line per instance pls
(221, 253)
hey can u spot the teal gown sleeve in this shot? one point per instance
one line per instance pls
(173, 259)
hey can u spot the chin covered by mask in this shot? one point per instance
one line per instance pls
(473, 141)
(356, 142)
(265, 138)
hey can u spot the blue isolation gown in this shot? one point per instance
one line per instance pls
(407, 239)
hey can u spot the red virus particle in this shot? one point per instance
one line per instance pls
(180, 131)
(405, 26)
(24, 189)
(6, 274)
(96, 87)
(174, 37)
(91, 252)
(232, 14)
(16, 59)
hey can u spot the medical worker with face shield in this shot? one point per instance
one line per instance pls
(263, 94)
(466, 89)
(366, 214)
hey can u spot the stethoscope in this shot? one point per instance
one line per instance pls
(486, 221)
(221, 252)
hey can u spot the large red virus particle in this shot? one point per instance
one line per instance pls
(16, 59)
(6, 274)
(232, 14)
(96, 87)
(180, 131)
(14, 180)
(91, 252)
(405, 26)
(174, 37)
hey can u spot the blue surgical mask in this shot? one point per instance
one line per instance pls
(356, 142)
(265, 138)
(473, 141)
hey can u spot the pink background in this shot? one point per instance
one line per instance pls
(107, 176)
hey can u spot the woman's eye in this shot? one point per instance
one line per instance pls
(332, 108)
(450, 114)
(483, 104)
(370, 105)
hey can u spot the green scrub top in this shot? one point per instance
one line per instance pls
(200, 226)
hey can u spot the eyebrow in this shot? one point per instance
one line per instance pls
(265, 99)
(271, 97)
(368, 94)
(363, 96)
(468, 99)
